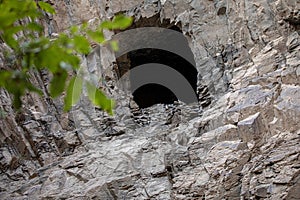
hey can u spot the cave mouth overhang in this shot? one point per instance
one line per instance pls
(159, 65)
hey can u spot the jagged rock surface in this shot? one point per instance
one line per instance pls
(244, 145)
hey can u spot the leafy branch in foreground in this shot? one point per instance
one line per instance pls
(22, 32)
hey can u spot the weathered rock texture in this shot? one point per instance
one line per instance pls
(242, 142)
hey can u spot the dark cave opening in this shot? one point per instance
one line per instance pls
(151, 94)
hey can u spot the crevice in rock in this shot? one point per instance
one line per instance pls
(221, 11)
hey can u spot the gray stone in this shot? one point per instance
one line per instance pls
(241, 141)
(251, 128)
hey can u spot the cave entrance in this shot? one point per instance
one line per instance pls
(151, 94)
(155, 93)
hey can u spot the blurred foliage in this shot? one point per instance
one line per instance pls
(21, 30)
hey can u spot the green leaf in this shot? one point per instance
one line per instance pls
(8, 36)
(107, 25)
(114, 45)
(99, 99)
(42, 60)
(73, 93)
(46, 7)
(7, 20)
(17, 102)
(4, 75)
(58, 82)
(119, 22)
(84, 26)
(122, 22)
(74, 29)
(56, 57)
(36, 45)
(34, 27)
(15, 83)
(97, 36)
(81, 44)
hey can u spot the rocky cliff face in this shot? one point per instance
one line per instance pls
(242, 141)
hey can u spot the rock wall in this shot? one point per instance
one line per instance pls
(244, 145)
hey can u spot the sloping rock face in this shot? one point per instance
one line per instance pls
(242, 141)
